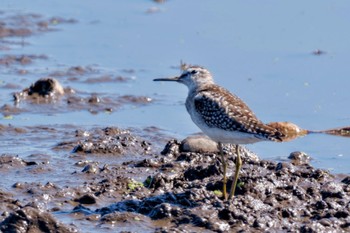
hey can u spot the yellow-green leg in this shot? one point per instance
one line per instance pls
(238, 168)
(224, 166)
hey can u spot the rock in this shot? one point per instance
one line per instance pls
(90, 168)
(41, 89)
(29, 219)
(346, 180)
(332, 189)
(46, 87)
(86, 199)
(203, 144)
(171, 149)
(198, 144)
(161, 211)
(299, 157)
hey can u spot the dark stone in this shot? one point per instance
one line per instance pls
(86, 199)
(341, 214)
(29, 219)
(161, 211)
(200, 172)
(346, 180)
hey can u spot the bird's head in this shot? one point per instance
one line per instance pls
(193, 77)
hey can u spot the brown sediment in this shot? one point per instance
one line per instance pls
(342, 131)
(20, 59)
(25, 25)
(49, 92)
(107, 78)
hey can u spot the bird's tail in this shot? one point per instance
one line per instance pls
(290, 131)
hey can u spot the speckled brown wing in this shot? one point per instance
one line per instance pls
(221, 109)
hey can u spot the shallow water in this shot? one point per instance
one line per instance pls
(261, 52)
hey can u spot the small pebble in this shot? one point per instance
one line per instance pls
(299, 157)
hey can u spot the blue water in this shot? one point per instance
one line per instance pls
(260, 50)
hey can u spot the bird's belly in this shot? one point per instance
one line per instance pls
(226, 136)
(232, 137)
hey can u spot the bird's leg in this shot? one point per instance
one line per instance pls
(238, 168)
(224, 166)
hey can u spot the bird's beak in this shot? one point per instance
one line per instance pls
(174, 79)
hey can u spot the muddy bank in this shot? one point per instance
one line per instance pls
(48, 95)
(52, 93)
(270, 197)
(24, 25)
(67, 178)
(122, 179)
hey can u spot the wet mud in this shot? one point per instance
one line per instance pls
(108, 179)
(53, 93)
(270, 197)
(30, 219)
(125, 180)
(25, 25)
(48, 95)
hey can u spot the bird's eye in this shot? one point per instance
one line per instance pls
(194, 72)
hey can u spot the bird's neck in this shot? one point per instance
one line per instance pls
(200, 87)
